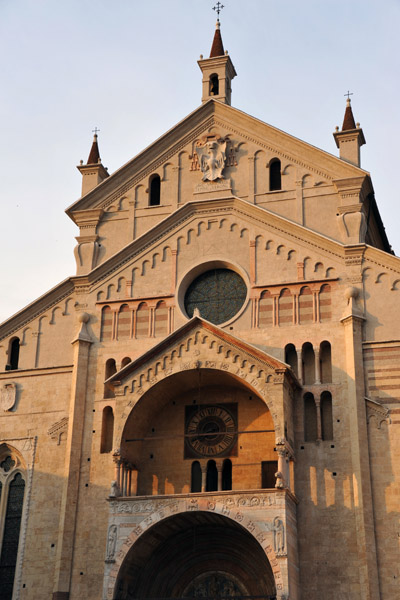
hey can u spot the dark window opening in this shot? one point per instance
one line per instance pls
(196, 477)
(155, 191)
(325, 362)
(110, 369)
(291, 357)
(275, 179)
(227, 475)
(107, 430)
(13, 355)
(212, 477)
(308, 364)
(268, 470)
(214, 85)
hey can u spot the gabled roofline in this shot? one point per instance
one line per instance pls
(194, 322)
(187, 126)
(55, 295)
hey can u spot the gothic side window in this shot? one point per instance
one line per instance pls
(12, 489)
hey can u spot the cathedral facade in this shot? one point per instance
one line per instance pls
(210, 406)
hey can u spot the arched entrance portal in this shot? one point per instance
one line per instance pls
(195, 555)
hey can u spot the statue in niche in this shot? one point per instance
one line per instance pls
(212, 154)
(279, 536)
(111, 542)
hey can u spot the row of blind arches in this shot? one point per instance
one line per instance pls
(134, 323)
(301, 309)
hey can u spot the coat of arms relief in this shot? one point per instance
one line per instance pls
(211, 155)
(8, 396)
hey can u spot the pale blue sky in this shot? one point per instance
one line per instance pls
(129, 68)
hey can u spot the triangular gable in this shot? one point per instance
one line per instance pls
(193, 126)
(219, 346)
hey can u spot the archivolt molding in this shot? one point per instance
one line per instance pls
(202, 349)
(263, 533)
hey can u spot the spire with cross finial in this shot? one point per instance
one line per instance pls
(94, 155)
(348, 121)
(351, 137)
(218, 70)
(93, 172)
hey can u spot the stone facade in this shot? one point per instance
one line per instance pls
(106, 377)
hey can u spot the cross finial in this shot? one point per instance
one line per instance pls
(349, 94)
(218, 7)
(95, 130)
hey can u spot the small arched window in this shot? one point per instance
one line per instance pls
(214, 85)
(212, 477)
(308, 364)
(13, 354)
(291, 357)
(227, 475)
(107, 430)
(275, 179)
(125, 361)
(196, 477)
(325, 362)
(326, 416)
(310, 418)
(155, 190)
(110, 369)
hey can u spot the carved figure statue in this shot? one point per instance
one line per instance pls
(111, 541)
(114, 491)
(212, 159)
(279, 480)
(279, 536)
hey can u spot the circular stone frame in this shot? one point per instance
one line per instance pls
(201, 268)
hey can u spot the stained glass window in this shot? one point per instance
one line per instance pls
(12, 524)
(7, 464)
(218, 294)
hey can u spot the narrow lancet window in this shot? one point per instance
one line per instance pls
(214, 85)
(227, 475)
(275, 179)
(107, 430)
(13, 354)
(196, 477)
(155, 191)
(212, 477)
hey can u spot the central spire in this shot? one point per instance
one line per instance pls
(217, 48)
(218, 70)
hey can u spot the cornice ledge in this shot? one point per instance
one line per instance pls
(275, 222)
(382, 259)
